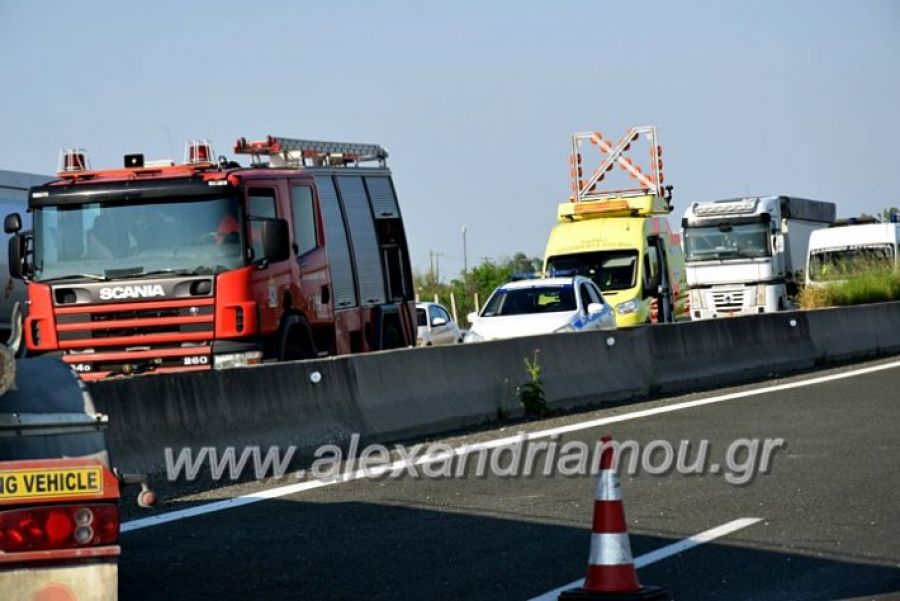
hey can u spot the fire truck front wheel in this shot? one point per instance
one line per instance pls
(295, 339)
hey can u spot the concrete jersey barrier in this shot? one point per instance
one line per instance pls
(392, 395)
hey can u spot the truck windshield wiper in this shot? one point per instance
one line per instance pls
(78, 276)
(131, 274)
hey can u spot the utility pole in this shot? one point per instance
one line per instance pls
(465, 228)
(435, 259)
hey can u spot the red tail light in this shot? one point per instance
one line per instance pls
(58, 527)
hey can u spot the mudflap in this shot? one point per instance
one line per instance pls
(391, 329)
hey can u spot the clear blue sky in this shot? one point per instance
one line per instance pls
(474, 100)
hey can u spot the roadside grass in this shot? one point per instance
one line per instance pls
(871, 286)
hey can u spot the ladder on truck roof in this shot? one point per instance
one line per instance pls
(293, 152)
(589, 189)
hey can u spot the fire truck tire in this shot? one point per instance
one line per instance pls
(295, 339)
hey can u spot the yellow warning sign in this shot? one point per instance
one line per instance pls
(50, 482)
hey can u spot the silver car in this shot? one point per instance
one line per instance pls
(436, 327)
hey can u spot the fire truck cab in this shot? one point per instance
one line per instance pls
(157, 267)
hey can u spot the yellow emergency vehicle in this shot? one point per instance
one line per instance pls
(621, 239)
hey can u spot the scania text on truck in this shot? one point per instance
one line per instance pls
(747, 255)
(158, 267)
(621, 238)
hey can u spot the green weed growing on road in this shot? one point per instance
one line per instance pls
(531, 394)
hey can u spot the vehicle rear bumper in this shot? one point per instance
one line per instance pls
(150, 361)
(85, 580)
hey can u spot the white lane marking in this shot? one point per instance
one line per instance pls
(281, 491)
(667, 551)
(694, 541)
(180, 514)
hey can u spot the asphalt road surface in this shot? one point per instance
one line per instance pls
(829, 514)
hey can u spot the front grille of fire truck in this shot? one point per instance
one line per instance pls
(132, 338)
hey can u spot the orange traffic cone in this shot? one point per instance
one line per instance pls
(611, 574)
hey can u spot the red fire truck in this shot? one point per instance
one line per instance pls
(159, 268)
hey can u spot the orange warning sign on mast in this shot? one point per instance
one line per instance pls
(616, 154)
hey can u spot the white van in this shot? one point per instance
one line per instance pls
(837, 252)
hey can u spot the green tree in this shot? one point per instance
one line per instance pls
(481, 279)
(427, 285)
(521, 263)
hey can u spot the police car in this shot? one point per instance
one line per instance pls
(542, 306)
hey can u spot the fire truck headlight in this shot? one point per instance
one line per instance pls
(229, 360)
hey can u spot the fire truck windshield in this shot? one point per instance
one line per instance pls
(117, 239)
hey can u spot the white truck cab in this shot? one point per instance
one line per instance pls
(747, 255)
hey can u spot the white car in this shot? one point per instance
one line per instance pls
(542, 306)
(435, 326)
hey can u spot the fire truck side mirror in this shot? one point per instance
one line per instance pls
(17, 256)
(12, 223)
(275, 240)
